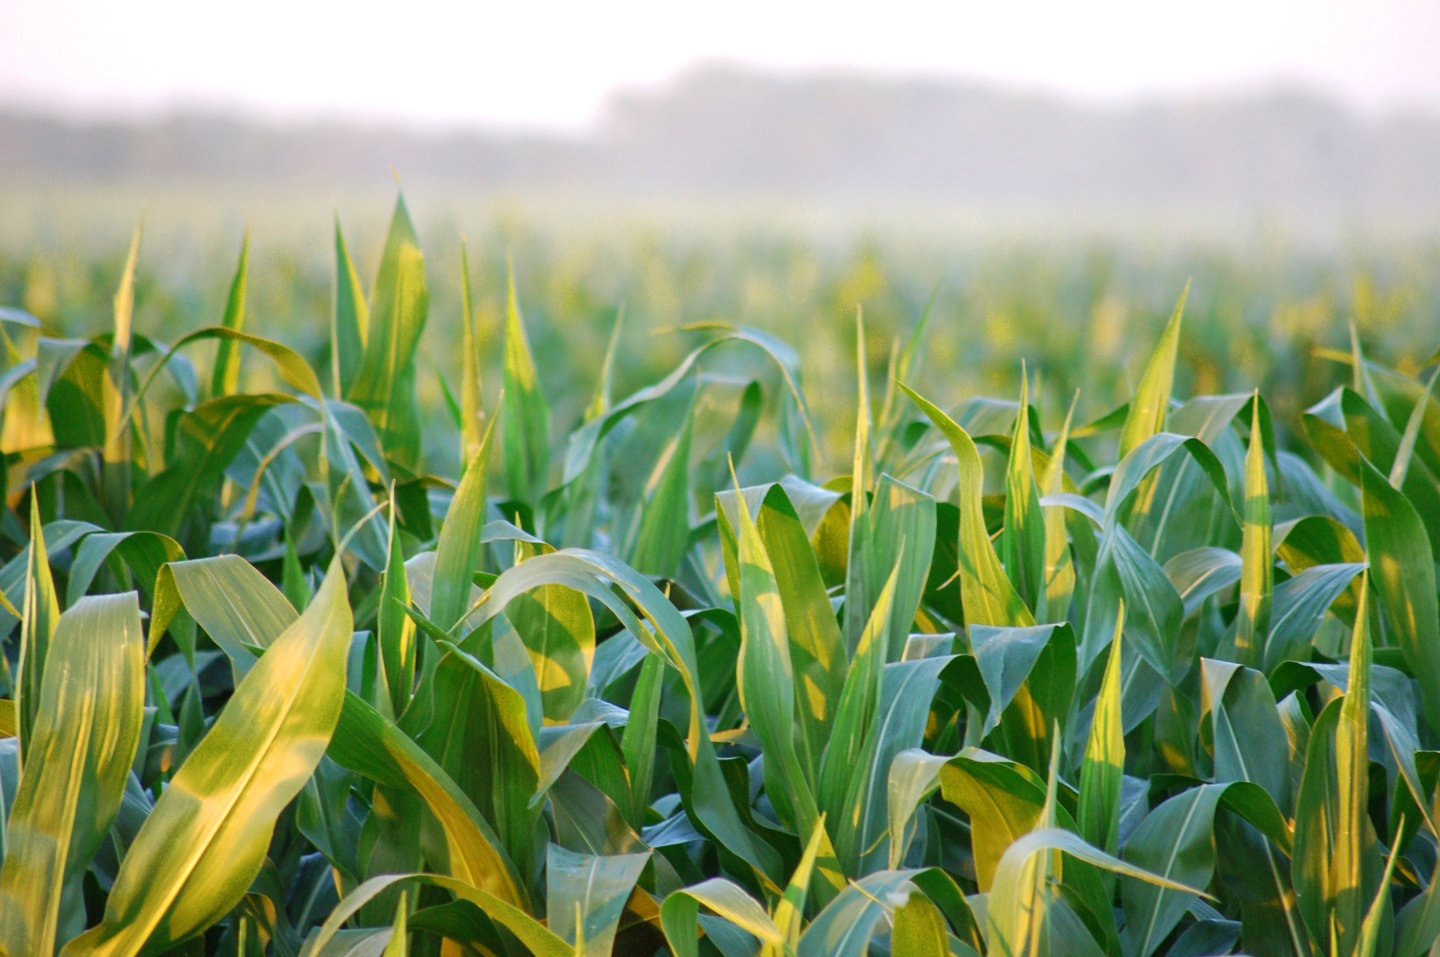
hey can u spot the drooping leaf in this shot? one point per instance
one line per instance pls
(1404, 579)
(1017, 920)
(989, 597)
(586, 895)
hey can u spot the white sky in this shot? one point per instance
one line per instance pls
(552, 64)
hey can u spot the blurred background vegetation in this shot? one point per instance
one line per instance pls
(1045, 230)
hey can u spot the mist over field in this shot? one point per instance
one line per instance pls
(724, 132)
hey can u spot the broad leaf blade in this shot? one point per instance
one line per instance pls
(208, 834)
(78, 758)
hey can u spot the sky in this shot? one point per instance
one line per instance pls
(552, 65)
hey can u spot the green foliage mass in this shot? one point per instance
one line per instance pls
(298, 664)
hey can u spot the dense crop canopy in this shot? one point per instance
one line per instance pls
(1163, 683)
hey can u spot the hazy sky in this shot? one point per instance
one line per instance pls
(552, 64)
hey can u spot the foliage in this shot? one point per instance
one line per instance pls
(1011, 684)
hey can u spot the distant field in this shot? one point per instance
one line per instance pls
(1069, 290)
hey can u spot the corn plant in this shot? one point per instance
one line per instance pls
(1163, 682)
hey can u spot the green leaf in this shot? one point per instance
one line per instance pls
(37, 627)
(115, 394)
(918, 930)
(384, 384)
(1377, 917)
(207, 439)
(291, 366)
(532, 934)
(1337, 860)
(1029, 675)
(236, 605)
(207, 836)
(587, 895)
(350, 321)
(395, 630)
(1102, 771)
(558, 631)
(906, 691)
(1176, 842)
(845, 926)
(989, 597)
(226, 378)
(789, 911)
(1003, 799)
(817, 650)
(638, 741)
(765, 681)
(663, 528)
(1018, 916)
(472, 411)
(399, 945)
(479, 732)
(679, 915)
(851, 743)
(1252, 622)
(1247, 735)
(1151, 403)
(78, 757)
(896, 532)
(458, 551)
(665, 632)
(1023, 539)
(144, 553)
(581, 446)
(526, 435)
(1347, 430)
(601, 402)
(1154, 610)
(1299, 607)
(1413, 425)
(1054, 604)
(455, 837)
(1404, 577)
(914, 776)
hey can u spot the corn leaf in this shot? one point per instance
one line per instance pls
(226, 377)
(349, 320)
(207, 836)
(526, 435)
(985, 589)
(587, 895)
(37, 627)
(1151, 403)
(384, 383)
(78, 758)
(458, 551)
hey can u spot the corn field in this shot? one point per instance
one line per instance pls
(1012, 683)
